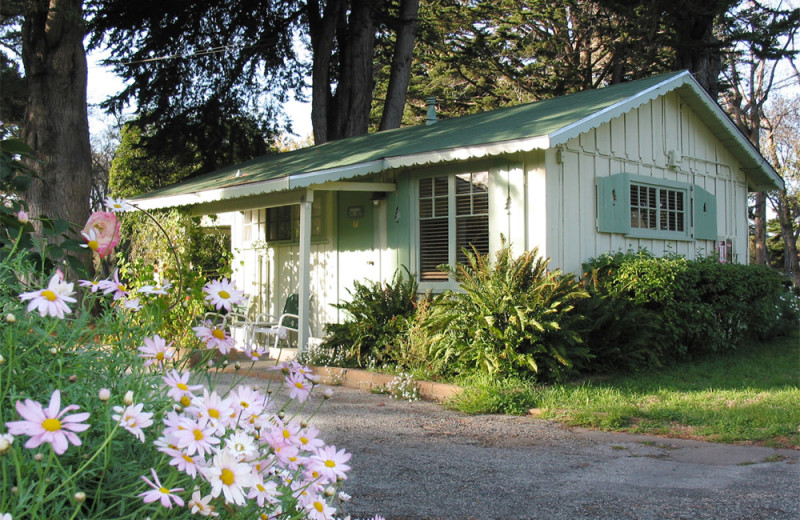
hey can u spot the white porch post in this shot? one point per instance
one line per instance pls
(304, 270)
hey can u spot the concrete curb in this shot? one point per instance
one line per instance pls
(347, 377)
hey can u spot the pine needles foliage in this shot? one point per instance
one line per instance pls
(512, 316)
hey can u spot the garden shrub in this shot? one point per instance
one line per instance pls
(621, 334)
(698, 306)
(512, 316)
(378, 317)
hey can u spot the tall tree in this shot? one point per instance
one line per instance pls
(760, 38)
(782, 145)
(190, 63)
(55, 123)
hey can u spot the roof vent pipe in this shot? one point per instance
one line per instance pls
(431, 104)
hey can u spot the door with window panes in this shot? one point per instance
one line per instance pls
(453, 214)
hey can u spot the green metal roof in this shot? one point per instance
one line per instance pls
(555, 120)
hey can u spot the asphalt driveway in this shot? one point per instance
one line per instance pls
(421, 461)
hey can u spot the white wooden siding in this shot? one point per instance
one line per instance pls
(640, 142)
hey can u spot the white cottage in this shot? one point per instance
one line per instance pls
(653, 163)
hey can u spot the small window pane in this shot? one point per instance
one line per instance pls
(433, 248)
(425, 188)
(440, 187)
(425, 208)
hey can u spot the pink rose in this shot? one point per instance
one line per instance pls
(101, 232)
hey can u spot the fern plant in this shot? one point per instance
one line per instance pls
(379, 315)
(512, 316)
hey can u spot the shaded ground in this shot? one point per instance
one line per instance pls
(420, 461)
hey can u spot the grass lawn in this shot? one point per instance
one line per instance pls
(749, 396)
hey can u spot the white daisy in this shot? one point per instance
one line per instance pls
(223, 295)
(53, 300)
(229, 476)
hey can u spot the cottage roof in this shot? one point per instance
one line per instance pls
(539, 125)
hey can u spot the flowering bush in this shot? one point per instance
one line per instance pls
(100, 416)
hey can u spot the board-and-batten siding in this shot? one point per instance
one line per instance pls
(639, 143)
(272, 273)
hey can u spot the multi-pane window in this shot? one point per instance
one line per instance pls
(453, 215)
(279, 223)
(282, 223)
(657, 208)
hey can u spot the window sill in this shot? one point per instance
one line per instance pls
(659, 235)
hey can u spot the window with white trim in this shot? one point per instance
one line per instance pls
(453, 212)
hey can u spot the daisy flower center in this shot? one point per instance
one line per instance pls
(299, 385)
(164, 490)
(245, 404)
(304, 440)
(224, 294)
(93, 245)
(227, 477)
(186, 401)
(329, 463)
(187, 458)
(286, 434)
(160, 356)
(51, 425)
(198, 435)
(318, 506)
(49, 295)
(182, 386)
(213, 413)
(218, 333)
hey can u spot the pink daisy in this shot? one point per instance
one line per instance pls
(48, 425)
(264, 491)
(201, 505)
(53, 300)
(317, 508)
(215, 409)
(114, 285)
(214, 337)
(179, 385)
(159, 492)
(223, 294)
(299, 386)
(195, 436)
(189, 464)
(93, 285)
(331, 463)
(156, 350)
(133, 419)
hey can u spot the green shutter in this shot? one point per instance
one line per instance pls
(705, 214)
(613, 204)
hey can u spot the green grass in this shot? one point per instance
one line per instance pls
(750, 396)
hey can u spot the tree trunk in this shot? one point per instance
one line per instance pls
(322, 29)
(401, 66)
(56, 124)
(353, 99)
(761, 256)
(792, 260)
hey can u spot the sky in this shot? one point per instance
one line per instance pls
(102, 83)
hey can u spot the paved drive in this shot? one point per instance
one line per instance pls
(420, 461)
